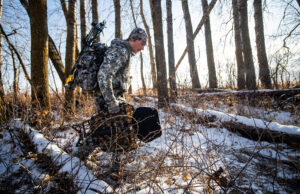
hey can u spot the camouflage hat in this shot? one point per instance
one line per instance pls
(138, 34)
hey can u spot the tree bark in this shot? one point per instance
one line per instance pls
(118, 28)
(70, 12)
(141, 56)
(238, 46)
(190, 45)
(39, 54)
(202, 21)
(150, 46)
(162, 88)
(212, 78)
(82, 21)
(56, 59)
(171, 58)
(53, 52)
(264, 72)
(95, 15)
(3, 118)
(15, 82)
(248, 58)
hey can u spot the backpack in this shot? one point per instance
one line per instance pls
(87, 66)
(84, 72)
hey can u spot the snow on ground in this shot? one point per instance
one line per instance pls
(273, 126)
(183, 159)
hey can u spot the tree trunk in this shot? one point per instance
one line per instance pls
(238, 46)
(152, 62)
(95, 15)
(118, 29)
(248, 59)
(171, 58)
(70, 14)
(190, 45)
(264, 72)
(56, 59)
(298, 1)
(39, 54)
(212, 78)
(141, 55)
(202, 21)
(15, 83)
(2, 94)
(82, 21)
(53, 52)
(162, 88)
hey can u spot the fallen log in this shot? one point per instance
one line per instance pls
(82, 176)
(251, 128)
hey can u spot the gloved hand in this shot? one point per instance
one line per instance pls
(113, 108)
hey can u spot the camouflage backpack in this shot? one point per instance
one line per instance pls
(87, 66)
(84, 73)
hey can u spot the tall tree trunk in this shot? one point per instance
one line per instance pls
(95, 14)
(118, 28)
(2, 94)
(298, 1)
(202, 21)
(152, 62)
(15, 69)
(54, 54)
(238, 46)
(141, 55)
(264, 72)
(212, 78)
(162, 88)
(248, 59)
(171, 58)
(70, 14)
(82, 21)
(56, 59)
(190, 45)
(39, 53)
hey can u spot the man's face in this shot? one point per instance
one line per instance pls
(138, 45)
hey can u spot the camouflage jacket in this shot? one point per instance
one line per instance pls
(113, 75)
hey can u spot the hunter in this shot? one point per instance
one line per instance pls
(113, 75)
(113, 79)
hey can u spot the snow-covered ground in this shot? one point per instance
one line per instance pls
(188, 157)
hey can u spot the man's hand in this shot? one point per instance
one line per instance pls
(113, 108)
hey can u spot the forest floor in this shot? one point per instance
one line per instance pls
(201, 150)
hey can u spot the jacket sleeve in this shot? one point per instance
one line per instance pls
(114, 60)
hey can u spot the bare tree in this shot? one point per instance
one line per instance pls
(2, 94)
(53, 52)
(141, 55)
(162, 88)
(190, 45)
(118, 28)
(82, 21)
(264, 72)
(238, 46)
(152, 62)
(95, 14)
(248, 59)
(15, 71)
(202, 21)
(70, 15)
(212, 78)
(39, 53)
(172, 75)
